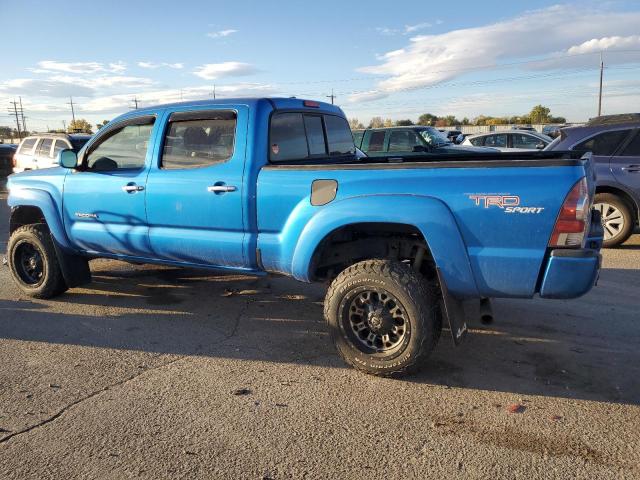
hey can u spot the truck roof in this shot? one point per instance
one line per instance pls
(277, 103)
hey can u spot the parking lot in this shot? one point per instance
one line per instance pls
(154, 372)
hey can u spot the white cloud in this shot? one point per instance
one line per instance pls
(79, 67)
(431, 59)
(212, 71)
(56, 86)
(222, 33)
(407, 30)
(152, 65)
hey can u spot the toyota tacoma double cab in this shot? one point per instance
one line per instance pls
(274, 185)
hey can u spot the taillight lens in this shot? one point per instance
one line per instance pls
(573, 220)
(14, 161)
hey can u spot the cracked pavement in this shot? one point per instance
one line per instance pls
(154, 372)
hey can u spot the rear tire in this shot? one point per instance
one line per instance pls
(617, 218)
(33, 262)
(384, 317)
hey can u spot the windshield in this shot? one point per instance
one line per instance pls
(434, 137)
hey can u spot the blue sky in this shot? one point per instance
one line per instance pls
(392, 59)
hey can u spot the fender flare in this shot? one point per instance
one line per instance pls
(429, 215)
(32, 197)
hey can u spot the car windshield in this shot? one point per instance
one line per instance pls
(434, 137)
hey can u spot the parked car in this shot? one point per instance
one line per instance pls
(552, 131)
(510, 141)
(408, 141)
(7, 151)
(274, 185)
(41, 150)
(614, 141)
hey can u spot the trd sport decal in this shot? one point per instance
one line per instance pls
(509, 203)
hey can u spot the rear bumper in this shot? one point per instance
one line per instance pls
(570, 273)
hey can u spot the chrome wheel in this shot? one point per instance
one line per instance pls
(377, 321)
(612, 219)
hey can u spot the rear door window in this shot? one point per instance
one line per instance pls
(520, 140)
(633, 148)
(604, 144)
(376, 142)
(27, 146)
(44, 148)
(199, 143)
(478, 141)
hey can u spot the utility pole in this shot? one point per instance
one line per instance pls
(135, 102)
(24, 125)
(15, 112)
(213, 92)
(600, 92)
(73, 113)
(64, 125)
(332, 96)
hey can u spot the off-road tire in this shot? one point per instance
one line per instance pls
(39, 238)
(418, 298)
(626, 211)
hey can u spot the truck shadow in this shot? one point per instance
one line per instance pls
(582, 349)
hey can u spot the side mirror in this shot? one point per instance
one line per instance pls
(67, 158)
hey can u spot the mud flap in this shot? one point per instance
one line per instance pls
(453, 310)
(75, 269)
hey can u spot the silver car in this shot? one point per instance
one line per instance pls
(41, 150)
(511, 141)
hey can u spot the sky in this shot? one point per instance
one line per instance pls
(391, 59)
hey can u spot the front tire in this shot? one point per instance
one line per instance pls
(33, 262)
(617, 218)
(384, 317)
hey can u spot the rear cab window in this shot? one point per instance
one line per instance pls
(26, 148)
(298, 136)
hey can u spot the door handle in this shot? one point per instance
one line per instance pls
(221, 188)
(632, 168)
(132, 188)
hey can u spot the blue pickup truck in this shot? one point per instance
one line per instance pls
(274, 185)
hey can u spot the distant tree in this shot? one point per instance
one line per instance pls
(404, 123)
(557, 120)
(355, 124)
(79, 126)
(466, 121)
(376, 122)
(441, 122)
(427, 119)
(388, 122)
(6, 132)
(539, 114)
(102, 124)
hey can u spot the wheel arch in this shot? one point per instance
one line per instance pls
(422, 217)
(624, 195)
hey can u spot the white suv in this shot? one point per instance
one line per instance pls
(41, 151)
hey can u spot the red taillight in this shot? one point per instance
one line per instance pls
(311, 103)
(14, 161)
(573, 219)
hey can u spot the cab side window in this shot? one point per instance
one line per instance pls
(121, 148)
(199, 142)
(376, 141)
(403, 141)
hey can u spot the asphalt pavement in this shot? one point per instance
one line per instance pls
(153, 372)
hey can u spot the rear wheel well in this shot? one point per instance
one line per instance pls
(353, 243)
(624, 196)
(25, 215)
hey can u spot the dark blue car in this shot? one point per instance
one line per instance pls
(615, 143)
